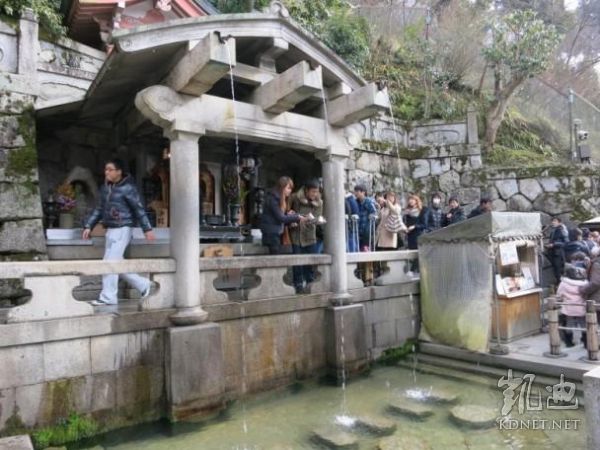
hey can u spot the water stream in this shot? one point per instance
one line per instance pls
(244, 330)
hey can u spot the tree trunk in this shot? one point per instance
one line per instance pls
(496, 111)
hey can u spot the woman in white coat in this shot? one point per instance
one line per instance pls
(390, 223)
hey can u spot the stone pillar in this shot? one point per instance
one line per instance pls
(28, 44)
(346, 343)
(472, 132)
(184, 223)
(591, 394)
(195, 371)
(335, 230)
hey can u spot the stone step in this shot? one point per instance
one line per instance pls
(335, 438)
(474, 416)
(410, 408)
(441, 396)
(21, 442)
(403, 442)
(376, 425)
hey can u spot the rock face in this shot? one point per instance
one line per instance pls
(474, 416)
(334, 438)
(403, 442)
(376, 425)
(410, 408)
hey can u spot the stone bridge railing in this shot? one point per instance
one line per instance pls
(53, 286)
(393, 267)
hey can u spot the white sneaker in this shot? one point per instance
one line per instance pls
(101, 303)
(152, 288)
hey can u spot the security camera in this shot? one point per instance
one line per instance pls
(582, 135)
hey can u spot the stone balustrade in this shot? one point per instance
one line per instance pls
(51, 285)
(395, 267)
(252, 278)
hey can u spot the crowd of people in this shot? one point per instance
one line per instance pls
(374, 222)
(575, 258)
(379, 222)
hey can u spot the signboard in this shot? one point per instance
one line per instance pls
(508, 253)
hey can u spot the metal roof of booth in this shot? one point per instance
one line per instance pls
(497, 226)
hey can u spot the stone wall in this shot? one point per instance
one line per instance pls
(449, 160)
(112, 367)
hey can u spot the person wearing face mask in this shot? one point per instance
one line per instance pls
(433, 216)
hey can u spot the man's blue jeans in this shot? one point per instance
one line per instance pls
(304, 273)
(116, 241)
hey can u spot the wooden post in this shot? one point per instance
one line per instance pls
(591, 322)
(553, 332)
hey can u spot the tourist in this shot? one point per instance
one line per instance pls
(276, 215)
(587, 238)
(433, 215)
(390, 223)
(306, 202)
(412, 220)
(485, 206)
(414, 227)
(455, 213)
(367, 214)
(575, 244)
(119, 208)
(573, 311)
(559, 236)
(351, 208)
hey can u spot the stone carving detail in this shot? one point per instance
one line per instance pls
(278, 8)
(158, 103)
(442, 137)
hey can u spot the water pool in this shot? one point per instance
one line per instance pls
(286, 419)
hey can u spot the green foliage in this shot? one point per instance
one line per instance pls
(239, 6)
(348, 35)
(521, 141)
(66, 430)
(46, 10)
(521, 44)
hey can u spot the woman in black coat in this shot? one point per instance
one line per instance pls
(275, 215)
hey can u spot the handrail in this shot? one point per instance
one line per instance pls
(264, 261)
(392, 255)
(85, 267)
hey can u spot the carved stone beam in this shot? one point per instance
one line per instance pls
(360, 104)
(203, 65)
(288, 89)
(267, 59)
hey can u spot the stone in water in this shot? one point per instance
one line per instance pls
(403, 442)
(410, 408)
(474, 416)
(376, 425)
(334, 438)
(441, 396)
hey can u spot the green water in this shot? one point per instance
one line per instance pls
(286, 418)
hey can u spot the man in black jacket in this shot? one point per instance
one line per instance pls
(559, 236)
(485, 206)
(119, 208)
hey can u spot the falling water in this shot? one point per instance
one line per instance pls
(395, 131)
(414, 350)
(242, 307)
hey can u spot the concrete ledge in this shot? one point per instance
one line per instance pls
(16, 443)
(524, 363)
(384, 292)
(399, 255)
(251, 262)
(50, 268)
(81, 327)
